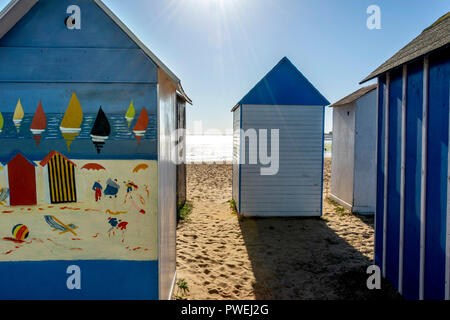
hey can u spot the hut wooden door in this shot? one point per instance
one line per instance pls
(22, 182)
(61, 176)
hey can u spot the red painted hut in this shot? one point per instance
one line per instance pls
(21, 181)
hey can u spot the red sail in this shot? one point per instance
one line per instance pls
(39, 120)
(142, 122)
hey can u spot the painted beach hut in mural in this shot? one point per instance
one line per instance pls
(21, 180)
(353, 165)
(59, 178)
(284, 108)
(97, 158)
(412, 233)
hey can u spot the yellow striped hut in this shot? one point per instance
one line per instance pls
(59, 178)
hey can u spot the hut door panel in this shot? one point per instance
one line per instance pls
(61, 176)
(22, 185)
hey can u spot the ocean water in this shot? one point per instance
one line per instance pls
(209, 148)
(120, 130)
(215, 148)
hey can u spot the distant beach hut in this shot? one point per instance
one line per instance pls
(412, 222)
(353, 166)
(21, 179)
(59, 178)
(285, 100)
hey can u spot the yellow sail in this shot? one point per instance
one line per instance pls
(74, 114)
(1, 122)
(18, 113)
(131, 112)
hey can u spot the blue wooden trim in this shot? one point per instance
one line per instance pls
(413, 165)
(76, 65)
(380, 173)
(323, 156)
(437, 163)
(100, 279)
(394, 169)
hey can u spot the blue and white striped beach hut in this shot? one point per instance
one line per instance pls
(412, 227)
(283, 100)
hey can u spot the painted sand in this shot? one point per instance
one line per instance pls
(91, 239)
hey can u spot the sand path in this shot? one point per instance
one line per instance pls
(221, 257)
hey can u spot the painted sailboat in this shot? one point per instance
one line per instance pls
(141, 126)
(100, 131)
(131, 113)
(18, 115)
(39, 124)
(71, 124)
(2, 122)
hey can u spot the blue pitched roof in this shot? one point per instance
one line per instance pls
(284, 85)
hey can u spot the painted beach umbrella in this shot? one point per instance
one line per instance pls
(18, 115)
(2, 122)
(141, 126)
(93, 166)
(39, 124)
(71, 123)
(131, 113)
(100, 130)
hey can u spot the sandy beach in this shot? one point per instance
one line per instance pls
(222, 257)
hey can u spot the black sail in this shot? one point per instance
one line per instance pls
(100, 130)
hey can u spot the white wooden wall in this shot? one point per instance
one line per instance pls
(342, 160)
(236, 146)
(364, 181)
(166, 184)
(297, 188)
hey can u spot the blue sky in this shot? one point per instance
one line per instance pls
(221, 48)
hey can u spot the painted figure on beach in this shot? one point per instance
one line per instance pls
(112, 188)
(97, 187)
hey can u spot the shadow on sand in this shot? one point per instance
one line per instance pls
(302, 258)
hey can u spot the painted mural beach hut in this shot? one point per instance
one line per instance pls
(412, 223)
(56, 51)
(353, 165)
(21, 180)
(283, 100)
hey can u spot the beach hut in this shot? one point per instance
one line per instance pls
(412, 222)
(283, 108)
(59, 178)
(353, 166)
(109, 103)
(21, 179)
(181, 146)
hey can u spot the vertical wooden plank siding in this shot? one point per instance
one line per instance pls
(402, 179)
(379, 211)
(424, 177)
(413, 167)
(437, 170)
(393, 180)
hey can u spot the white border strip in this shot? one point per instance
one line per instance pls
(386, 159)
(423, 184)
(447, 247)
(402, 182)
(376, 166)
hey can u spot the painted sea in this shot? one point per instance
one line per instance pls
(120, 145)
